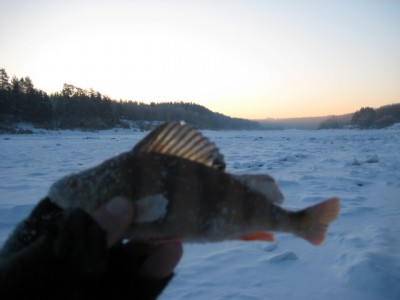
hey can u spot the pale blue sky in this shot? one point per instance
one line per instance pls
(250, 59)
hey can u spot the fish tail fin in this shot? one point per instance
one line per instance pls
(314, 220)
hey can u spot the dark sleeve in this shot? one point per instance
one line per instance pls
(63, 254)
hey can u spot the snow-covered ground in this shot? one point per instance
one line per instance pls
(360, 258)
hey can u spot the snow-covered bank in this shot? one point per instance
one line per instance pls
(359, 260)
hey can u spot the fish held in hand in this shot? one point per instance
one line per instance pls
(177, 180)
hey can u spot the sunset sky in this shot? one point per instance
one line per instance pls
(251, 58)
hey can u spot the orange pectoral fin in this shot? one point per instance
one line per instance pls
(258, 236)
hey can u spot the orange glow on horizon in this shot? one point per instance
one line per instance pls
(250, 59)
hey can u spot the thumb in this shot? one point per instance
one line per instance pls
(114, 218)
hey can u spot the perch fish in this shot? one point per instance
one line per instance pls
(177, 180)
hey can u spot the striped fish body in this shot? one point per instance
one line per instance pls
(176, 179)
(174, 197)
(203, 204)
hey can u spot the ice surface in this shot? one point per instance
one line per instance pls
(360, 259)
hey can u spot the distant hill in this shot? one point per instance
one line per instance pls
(381, 117)
(294, 123)
(364, 118)
(337, 122)
(76, 108)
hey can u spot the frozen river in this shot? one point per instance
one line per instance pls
(360, 258)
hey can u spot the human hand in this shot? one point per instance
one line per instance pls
(68, 253)
(157, 260)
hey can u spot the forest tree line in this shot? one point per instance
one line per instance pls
(366, 118)
(76, 108)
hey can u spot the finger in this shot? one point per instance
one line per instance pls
(162, 260)
(114, 218)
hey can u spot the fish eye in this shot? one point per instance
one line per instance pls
(72, 183)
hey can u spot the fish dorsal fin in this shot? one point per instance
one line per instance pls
(183, 141)
(262, 184)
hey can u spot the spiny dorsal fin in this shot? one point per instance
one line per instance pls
(180, 140)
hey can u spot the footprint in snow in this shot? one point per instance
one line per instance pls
(269, 248)
(354, 210)
(378, 273)
(286, 256)
(354, 242)
(372, 159)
